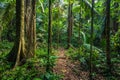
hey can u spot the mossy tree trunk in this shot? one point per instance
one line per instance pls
(30, 23)
(25, 43)
(18, 51)
(34, 24)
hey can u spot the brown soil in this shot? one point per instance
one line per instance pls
(69, 69)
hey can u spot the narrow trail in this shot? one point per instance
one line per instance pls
(66, 68)
(70, 70)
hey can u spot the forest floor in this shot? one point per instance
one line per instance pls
(71, 70)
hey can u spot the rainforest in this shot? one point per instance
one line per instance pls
(59, 39)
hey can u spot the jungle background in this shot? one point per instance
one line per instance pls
(59, 39)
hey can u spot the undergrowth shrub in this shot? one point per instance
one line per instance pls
(83, 56)
(33, 69)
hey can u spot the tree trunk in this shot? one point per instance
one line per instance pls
(49, 36)
(30, 23)
(108, 35)
(91, 42)
(34, 25)
(20, 52)
(17, 53)
(58, 32)
(70, 24)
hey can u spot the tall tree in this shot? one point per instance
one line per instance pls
(91, 44)
(34, 24)
(108, 35)
(30, 25)
(49, 36)
(58, 23)
(20, 52)
(70, 23)
(80, 23)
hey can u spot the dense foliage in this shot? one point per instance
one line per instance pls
(35, 68)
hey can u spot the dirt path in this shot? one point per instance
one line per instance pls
(66, 68)
(70, 70)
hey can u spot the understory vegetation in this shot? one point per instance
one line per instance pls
(33, 69)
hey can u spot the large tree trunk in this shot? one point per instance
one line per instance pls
(30, 23)
(18, 51)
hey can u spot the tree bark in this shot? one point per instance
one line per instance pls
(70, 24)
(108, 35)
(34, 25)
(49, 36)
(20, 52)
(91, 42)
(17, 53)
(30, 23)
